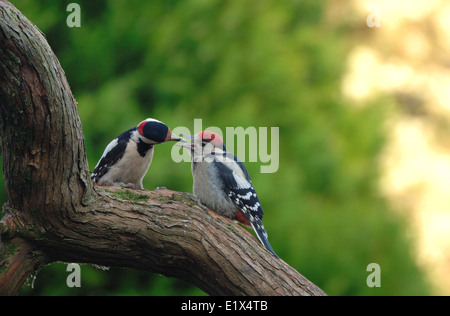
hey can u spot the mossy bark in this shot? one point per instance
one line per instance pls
(18, 260)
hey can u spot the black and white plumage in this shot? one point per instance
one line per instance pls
(127, 157)
(222, 183)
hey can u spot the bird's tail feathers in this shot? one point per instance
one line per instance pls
(262, 236)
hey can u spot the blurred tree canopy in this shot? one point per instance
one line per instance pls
(262, 63)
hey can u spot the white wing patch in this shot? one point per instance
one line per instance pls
(108, 148)
(238, 174)
(241, 182)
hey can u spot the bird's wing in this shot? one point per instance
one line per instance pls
(238, 186)
(112, 154)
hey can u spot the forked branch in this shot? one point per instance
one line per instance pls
(54, 212)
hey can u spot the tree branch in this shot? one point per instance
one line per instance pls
(54, 212)
(18, 260)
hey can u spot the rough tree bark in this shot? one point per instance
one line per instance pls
(55, 213)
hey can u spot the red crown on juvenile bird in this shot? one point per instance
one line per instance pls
(211, 137)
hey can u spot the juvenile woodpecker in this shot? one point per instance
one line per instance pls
(127, 157)
(222, 183)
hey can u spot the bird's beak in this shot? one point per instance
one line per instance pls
(184, 145)
(187, 146)
(175, 138)
(191, 138)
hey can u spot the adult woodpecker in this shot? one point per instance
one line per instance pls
(222, 183)
(127, 157)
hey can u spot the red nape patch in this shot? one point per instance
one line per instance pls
(241, 218)
(141, 127)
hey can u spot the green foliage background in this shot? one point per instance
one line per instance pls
(240, 63)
